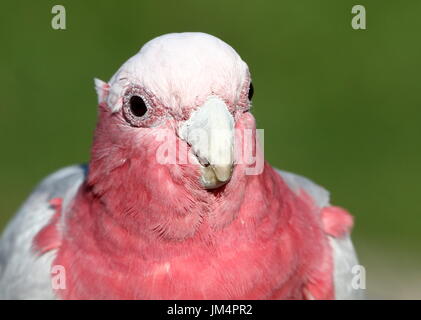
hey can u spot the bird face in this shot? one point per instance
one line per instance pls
(190, 88)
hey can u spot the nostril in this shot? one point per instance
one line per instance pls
(203, 161)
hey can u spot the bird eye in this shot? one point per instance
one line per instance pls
(251, 91)
(138, 106)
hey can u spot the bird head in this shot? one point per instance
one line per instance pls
(181, 92)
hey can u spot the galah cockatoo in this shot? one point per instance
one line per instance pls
(143, 222)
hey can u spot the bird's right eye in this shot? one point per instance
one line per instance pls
(141, 108)
(138, 106)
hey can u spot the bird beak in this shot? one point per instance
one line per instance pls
(210, 133)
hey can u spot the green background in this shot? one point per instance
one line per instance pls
(338, 105)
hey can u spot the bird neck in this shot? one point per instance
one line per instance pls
(125, 213)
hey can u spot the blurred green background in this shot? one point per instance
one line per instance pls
(338, 105)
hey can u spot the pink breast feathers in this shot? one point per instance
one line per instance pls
(336, 221)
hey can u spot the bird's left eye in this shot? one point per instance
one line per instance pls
(251, 91)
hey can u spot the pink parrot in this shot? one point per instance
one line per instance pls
(132, 226)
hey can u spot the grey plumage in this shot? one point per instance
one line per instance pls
(344, 255)
(24, 275)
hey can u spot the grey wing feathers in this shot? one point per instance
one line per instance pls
(296, 182)
(344, 255)
(344, 259)
(23, 275)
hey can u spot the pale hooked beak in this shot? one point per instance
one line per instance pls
(210, 133)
